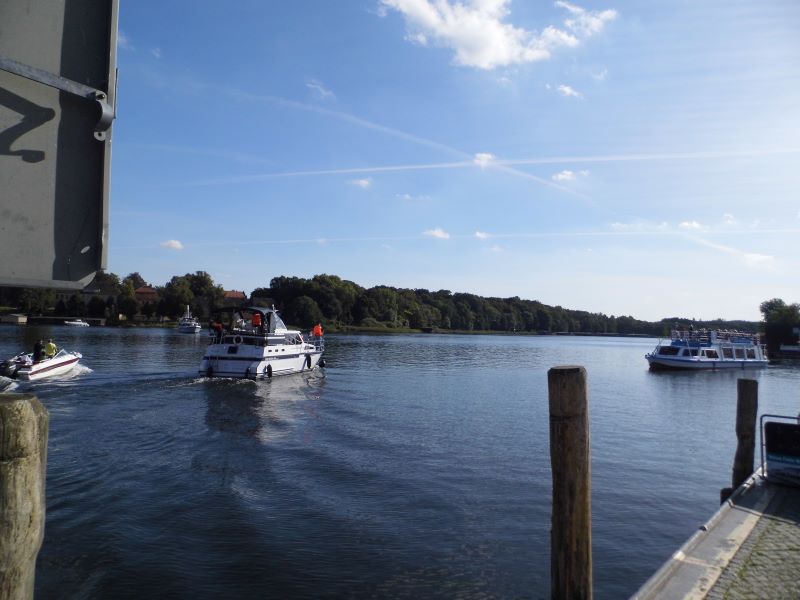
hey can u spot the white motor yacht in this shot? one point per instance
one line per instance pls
(255, 344)
(188, 323)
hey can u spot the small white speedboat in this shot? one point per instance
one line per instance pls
(76, 323)
(23, 367)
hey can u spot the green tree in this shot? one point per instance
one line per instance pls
(148, 310)
(96, 307)
(108, 283)
(177, 294)
(776, 311)
(126, 301)
(303, 312)
(135, 279)
(205, 292)
(36, 301)
(76, 306)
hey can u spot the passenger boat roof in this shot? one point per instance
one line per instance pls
(245, 308)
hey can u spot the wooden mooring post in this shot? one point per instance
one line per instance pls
(746, 414)
(24, 426)
(570, 459)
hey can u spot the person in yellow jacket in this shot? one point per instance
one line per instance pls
(50, 349)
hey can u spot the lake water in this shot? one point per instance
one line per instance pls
(416, 466)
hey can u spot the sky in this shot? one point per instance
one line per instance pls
(629, 158)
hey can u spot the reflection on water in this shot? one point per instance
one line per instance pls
(263, 409)
(414, 466)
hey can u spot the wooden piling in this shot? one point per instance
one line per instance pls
(571, 533)
(746, 413)
(23, 462)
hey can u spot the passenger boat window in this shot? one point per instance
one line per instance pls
(751, 353)
(695, 351)
(711, 354)
(668, 351)
(739, 352)
(727, 352)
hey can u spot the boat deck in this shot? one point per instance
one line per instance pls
(749, 549)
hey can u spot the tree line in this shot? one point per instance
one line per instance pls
(109, 296)
(341, 304)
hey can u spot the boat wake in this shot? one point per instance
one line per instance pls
(78, 370)
(7, 385)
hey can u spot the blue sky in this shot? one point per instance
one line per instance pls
(620, 157)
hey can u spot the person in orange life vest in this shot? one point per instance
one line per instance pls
(317, 330)
(255, 321)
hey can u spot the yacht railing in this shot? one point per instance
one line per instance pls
(703, 337)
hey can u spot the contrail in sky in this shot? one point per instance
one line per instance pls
(528, 235)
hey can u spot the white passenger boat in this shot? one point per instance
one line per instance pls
(23, 367)
(716, 349)
(188, 323)
(76, 323)
(254, 343)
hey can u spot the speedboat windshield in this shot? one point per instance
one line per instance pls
(278, 322)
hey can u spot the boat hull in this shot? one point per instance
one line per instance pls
(660, 363)
(188, 328)
(49, 368)
(257, 363)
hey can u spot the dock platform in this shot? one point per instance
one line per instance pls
(749, 549)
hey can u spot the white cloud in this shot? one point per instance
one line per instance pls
(156, 52)
(750, 259)
(364, 184)
(410, 198)
(568, 91)
(565, 175)
(641, 227)
(480, 36)
(691, 226)
(482, 159)
(172, 244)
(319, 89)
(601, 75)
(481, 235)
(438, 233)
(497, 249)
(123, 41)
(586, 22)
(729, 220)
(417, 38)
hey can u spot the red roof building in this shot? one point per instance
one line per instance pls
(235, 297)
(145, 294)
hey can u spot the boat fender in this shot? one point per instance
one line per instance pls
(237, 339)
(269, 371)
(247, 373)
(321, 362)
(210, 372)
(308, 361)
